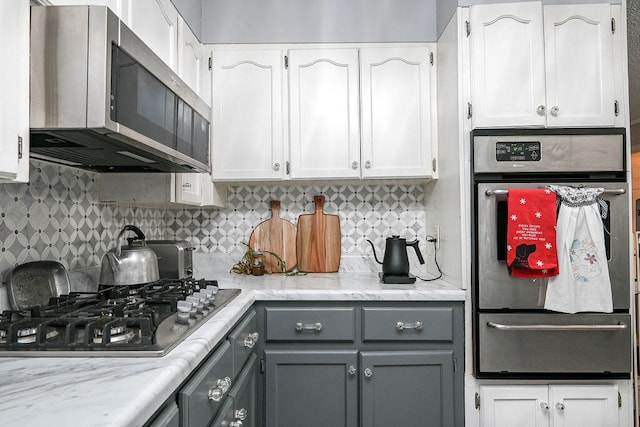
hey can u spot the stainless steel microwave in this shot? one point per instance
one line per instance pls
(103, 101)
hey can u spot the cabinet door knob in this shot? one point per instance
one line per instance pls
(236, 423)
(354, 165)
(544, 405)
(368, 373)
(276, 166)
(240, 414)
(540, 110)
(554, 111)
(560, 406)
(367, 164)
(352, 370)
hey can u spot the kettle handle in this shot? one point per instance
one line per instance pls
(129, 227)
(374, 251)
(418, 253)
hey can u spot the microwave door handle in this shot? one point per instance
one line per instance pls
(498, 192)
(503, 327)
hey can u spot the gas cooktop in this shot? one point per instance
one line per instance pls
(119, 321)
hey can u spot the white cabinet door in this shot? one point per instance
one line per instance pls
(579, 62)
(190, 59)
(156, 23)
(14, 91)
(584, 406)
(248, 132)
(116, 6)
(509, 406)
(398, 126)
(324, 113)
(507, 65)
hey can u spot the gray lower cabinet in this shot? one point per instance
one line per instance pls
(311, 388)
(240, 408)
(407, 388)
(362, 364)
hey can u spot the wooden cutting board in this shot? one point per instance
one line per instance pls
(278, 236)
(319, 241)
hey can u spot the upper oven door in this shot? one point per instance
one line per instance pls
(496, 289)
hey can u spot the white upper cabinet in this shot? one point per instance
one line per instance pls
(14, 91)
(191, 60)
(579, 65)
(156, 23)
(324, 113)
(398, 122)
(542, 66)
(248, 115)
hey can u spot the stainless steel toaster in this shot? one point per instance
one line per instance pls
(175, 258)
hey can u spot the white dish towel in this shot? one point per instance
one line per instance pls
(583, 283)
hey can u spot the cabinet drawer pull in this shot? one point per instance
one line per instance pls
(308, 327)
(402, 326)
(251, 340)
(236, 423)
(222, 387)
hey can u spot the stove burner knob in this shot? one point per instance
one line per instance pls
(184, 310)
(209, 294)
(213, 289)
(195, 301)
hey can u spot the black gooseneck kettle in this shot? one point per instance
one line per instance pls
(395, 261)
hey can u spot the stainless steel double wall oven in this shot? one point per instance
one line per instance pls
(514, 336)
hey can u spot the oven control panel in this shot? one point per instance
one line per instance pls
(525, 151)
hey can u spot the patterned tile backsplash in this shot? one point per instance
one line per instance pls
(58, 216)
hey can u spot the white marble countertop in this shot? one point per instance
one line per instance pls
(115, 391)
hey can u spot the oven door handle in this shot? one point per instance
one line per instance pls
(499, 192)
(502, 327)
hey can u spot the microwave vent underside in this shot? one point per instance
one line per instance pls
(87, 149)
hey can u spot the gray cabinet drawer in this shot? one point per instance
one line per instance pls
(310, 324)
(225, 415)
(407, 324)
(201, 398)
(243, 339)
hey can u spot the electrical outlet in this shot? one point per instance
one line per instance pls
(436, 235)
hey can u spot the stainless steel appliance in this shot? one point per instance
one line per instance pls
(514, 336)
(175, 258)
(102, 100)
(120, 321)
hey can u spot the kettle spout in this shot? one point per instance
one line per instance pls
(374, 252)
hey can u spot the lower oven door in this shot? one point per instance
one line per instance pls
(546, 345)
(497, 290)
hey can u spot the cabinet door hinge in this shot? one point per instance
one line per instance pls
(434, 165)
(469, 110)
(19, 147)
(431, 58)
(286, 62)
(613, 25)
(616, 108)
(455, 359)
(619, 400)
(287, 168)
(467, 28)
(210, 63)
(477, 400)
(262, 366)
